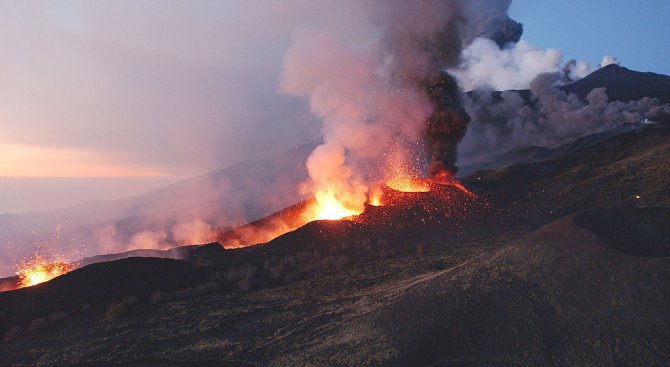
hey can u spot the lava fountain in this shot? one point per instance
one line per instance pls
(45, 262)
(39, 270)
(327, 206)
(375, 196)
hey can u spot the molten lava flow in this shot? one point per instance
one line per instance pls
(446, 178)
(38, 270)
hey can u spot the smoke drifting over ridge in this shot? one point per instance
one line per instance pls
(385, 78)
(547, 118)
(486, 65)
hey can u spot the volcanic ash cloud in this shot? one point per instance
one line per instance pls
(377, 78)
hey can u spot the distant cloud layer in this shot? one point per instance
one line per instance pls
(138, 89)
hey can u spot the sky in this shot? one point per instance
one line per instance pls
(160, 90)
(636, 32)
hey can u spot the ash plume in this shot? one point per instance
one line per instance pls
(489, 19)
(447, 124)
(385, 76)
(550, 118)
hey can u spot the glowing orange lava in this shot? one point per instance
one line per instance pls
(409, 184)
(38, 270)
(327, 207)
(375, 196)
(447, 179)
(402, 172)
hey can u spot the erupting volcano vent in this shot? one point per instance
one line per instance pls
(327, 207)
(382, 82)
(414, 202)
(403, 167)
(442, 204)
(409, 184)
(39, 270)
(391, 116)
(46, 261)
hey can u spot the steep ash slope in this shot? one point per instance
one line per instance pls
(557, 296)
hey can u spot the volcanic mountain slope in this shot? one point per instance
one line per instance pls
(623, 84)
(538, 153)
(563, 262)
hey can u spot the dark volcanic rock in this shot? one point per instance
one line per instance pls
(627, 169)
(96, 285)
(557, 296)
(623, 84)
(629, 229)
(165, 362)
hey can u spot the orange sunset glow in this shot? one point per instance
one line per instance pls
(20, 160)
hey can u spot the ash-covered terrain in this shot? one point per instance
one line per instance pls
(564, 261)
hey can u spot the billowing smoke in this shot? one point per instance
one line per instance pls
(112, 238)
(547, 118)
(382, 78)
(488, 19)
(190, 212)
(484, 65)
(446, 125)
(609, 60)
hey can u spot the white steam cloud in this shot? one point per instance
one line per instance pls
(486, 66)
(609, 60)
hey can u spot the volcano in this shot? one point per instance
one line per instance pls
(548, 263)
(394, 209)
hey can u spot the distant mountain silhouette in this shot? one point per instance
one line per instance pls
(537, 154)
(623, 84)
